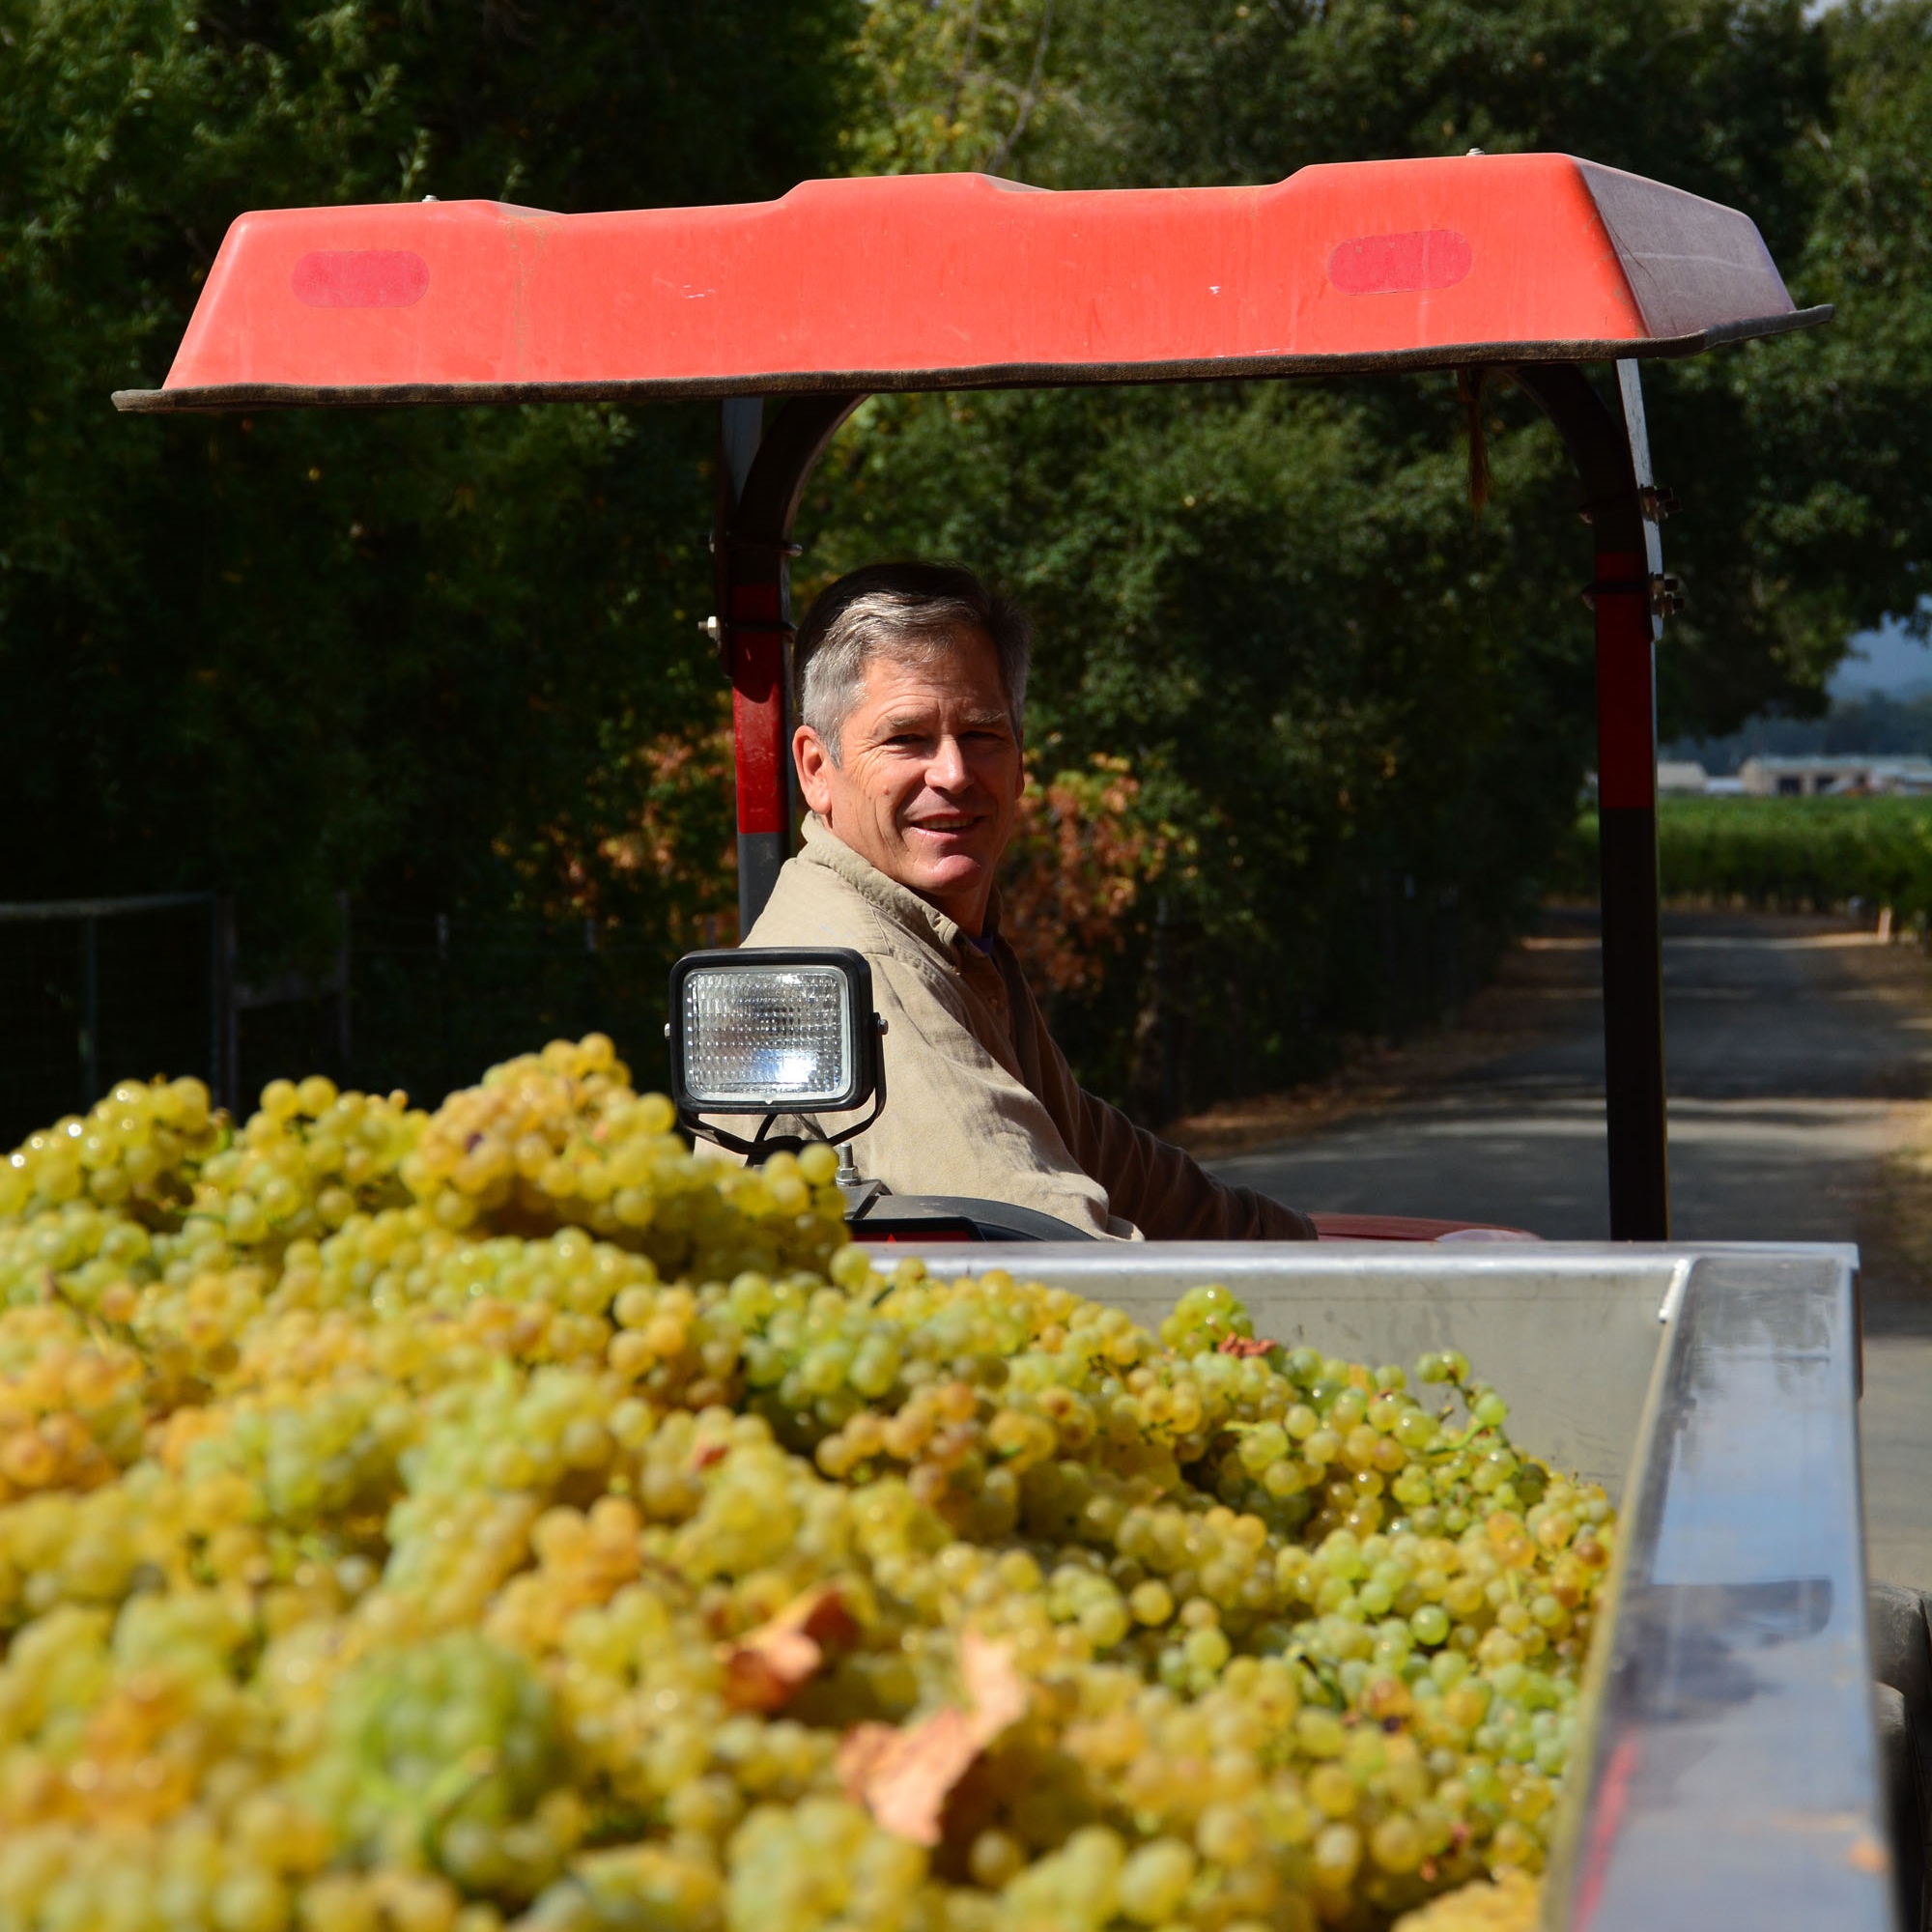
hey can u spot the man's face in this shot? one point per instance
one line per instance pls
(929, 774)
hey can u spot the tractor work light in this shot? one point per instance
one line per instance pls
(771, 1031)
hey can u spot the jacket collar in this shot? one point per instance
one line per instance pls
(904, 906)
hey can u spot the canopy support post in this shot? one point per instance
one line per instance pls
(1629, 595)
(760, 480)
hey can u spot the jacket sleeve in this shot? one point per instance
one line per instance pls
(1167, 1194)
(957, 1121)
(1163, 1190)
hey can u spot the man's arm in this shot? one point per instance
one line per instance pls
(957, 1121)
(1166, 1193)
(1161, 1189)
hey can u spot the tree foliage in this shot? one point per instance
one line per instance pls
(1367, 713)
(413, 654)
(1333, 685)
(449, 659)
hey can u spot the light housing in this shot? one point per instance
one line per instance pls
(772, 1030)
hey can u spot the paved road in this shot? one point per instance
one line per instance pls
(1795, 1050)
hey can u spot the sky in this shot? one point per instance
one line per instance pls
(1884, 660)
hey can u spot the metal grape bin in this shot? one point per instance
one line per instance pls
(1729, 1776)
(1732, 1775)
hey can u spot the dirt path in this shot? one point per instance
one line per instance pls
(1800, 1059)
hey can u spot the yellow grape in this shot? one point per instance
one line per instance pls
(503, 1517)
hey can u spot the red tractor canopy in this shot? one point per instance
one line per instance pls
(1530, 264)
(950, 281)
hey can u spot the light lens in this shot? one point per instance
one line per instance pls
(778, 1036)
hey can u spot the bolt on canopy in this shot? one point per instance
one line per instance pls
(1531, 265)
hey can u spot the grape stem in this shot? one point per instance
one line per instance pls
(447, 1792)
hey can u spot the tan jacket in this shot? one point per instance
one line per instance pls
(981, 1101)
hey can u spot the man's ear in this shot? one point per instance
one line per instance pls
(814, 759)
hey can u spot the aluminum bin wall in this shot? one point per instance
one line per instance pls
(1729, 1776)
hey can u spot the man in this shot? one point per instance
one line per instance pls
(910, 688)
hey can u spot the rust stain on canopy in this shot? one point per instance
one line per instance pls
(944, 281)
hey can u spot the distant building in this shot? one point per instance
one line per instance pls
(1821, 777)
(1681, 778)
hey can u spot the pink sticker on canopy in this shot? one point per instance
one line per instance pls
(1389, 265)
(360, 278)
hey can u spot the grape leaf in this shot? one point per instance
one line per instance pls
(904, 1775)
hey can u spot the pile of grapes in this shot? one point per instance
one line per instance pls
(420, 1522)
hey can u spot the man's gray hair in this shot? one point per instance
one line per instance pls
(905, 611)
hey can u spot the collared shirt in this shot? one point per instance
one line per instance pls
(981, 1101)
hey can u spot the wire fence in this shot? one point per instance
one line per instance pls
(98, 990)
(92, 991)
(437, 999)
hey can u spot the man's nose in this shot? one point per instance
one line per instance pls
(948, 766)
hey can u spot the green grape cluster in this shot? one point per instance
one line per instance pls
(152, 1179)
(132, 1147)
(559, 1138)
(448, 1750)
(592, 1543)
(301, 1165)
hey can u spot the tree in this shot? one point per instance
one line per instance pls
(1826, 442)
(410, 654)
(449, 659)
(1366, 715)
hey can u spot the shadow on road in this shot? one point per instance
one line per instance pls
(1798, 1054)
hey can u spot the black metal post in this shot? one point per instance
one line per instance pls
(593, 983)
(89, 1012)
(228, 1035)
(753, 654)
(218, 998)
(1627, 595)
(343, 963)
(446, 1069)
(753, 547)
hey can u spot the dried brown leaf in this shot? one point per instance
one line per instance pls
(766, 1666)
(903, 1777)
